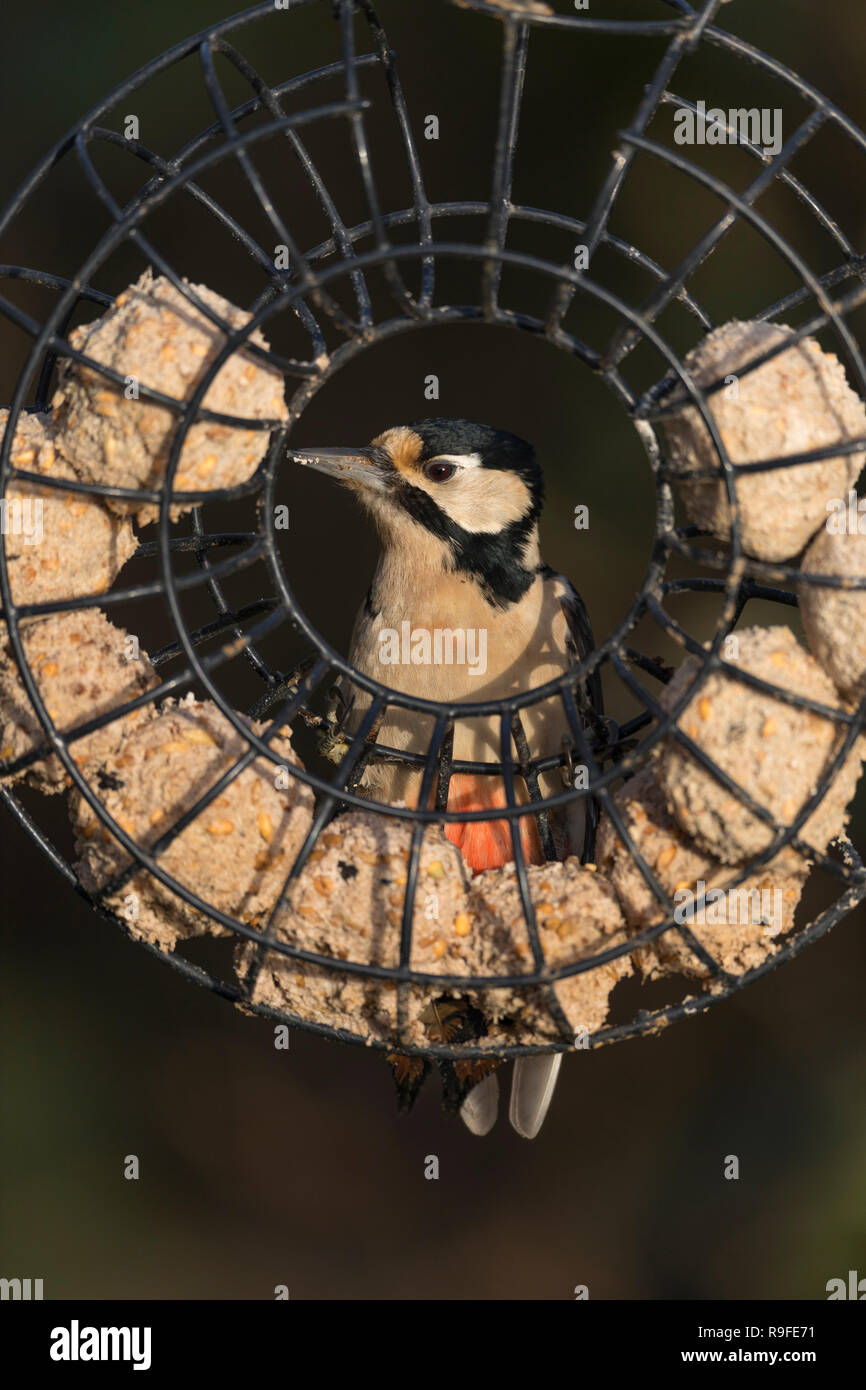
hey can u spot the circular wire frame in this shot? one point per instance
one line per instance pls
(310, 291)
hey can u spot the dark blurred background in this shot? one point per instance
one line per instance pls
(260, 1167)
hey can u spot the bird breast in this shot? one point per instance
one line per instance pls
(416, 647)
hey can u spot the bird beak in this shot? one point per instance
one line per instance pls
(367, 467)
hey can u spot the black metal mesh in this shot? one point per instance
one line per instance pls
(351, 291)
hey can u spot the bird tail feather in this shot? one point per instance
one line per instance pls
(531, 1092)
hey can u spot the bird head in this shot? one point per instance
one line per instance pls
(452, 492)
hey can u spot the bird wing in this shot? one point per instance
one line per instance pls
(580, 640)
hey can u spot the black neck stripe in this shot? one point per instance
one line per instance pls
(494, 559)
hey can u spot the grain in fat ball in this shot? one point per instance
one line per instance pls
(348, 904)
(82, 667)
(156, 336)
(59, 543)
(775, 751)
(235, 854)
(834, 619)
(578, 916)
(797, 402)
(739, 939)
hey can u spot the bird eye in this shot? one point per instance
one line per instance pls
(439, 472)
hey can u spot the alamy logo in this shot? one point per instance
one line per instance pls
(22, 516)
(438, 646)
(761, 127)
(846, 516)
(855, 1288)
(76, 1343)
(736, 906)
(23, 1289)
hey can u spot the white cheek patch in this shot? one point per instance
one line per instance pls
(481, 500)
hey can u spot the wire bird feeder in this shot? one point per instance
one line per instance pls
(367, 254)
